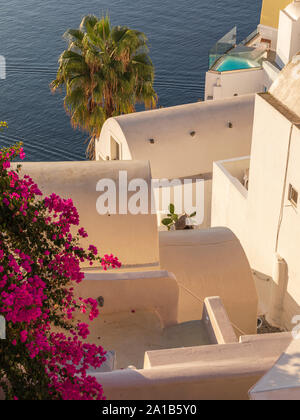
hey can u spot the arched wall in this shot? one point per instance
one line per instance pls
(211, 263)
(132, 238)
(175, 151)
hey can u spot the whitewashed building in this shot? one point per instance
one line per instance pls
(254, 64)
(182, 141)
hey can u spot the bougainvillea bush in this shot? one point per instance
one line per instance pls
(39, 266)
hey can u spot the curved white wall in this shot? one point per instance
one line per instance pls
(175, 153)
(211, 263)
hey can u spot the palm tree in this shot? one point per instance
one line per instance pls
(105, 71)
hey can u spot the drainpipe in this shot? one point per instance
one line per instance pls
(279, 287)
(280, 268)
(284, 189)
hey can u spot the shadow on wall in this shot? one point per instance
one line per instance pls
(263, 284)
(270, 293)
(291, 310)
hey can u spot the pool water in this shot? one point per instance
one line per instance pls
(236, 63)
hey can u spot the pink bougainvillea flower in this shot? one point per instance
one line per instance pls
(40, 261)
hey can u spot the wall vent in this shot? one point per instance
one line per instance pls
(293, 195)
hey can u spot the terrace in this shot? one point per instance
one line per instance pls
(226, 55)
(238, 68)
(235, 172)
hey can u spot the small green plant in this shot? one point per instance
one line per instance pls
(176, 221)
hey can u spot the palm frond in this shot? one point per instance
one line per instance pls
(105, 71)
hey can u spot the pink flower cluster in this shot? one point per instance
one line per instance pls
(93, 304)
(64, 211)
(37, 269)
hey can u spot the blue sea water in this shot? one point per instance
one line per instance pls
(180, 33)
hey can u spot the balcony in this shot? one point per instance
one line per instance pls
(226, 55)
(237, 172)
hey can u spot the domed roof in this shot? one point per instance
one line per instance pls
(286, 87)
(293, 10)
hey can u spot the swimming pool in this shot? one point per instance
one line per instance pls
(230, 63)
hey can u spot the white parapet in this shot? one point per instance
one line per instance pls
(288, 33)
(215, 372)
(282, 382)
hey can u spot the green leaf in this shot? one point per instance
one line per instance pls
(105, 71)
(172, 208)
(166, 222)
(193, 214)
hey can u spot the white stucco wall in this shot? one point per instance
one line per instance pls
(271, 72)
(289, 233)
(196, 197)
(267, 32)
(174, 146)
(175, 153)
(215, 372)
(259, 217)
(288, 34)
(259, 220)
(226, 84)
(132, 238)
(211, 263)
(155, 291)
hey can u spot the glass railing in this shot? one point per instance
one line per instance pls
(250, 37)
(225, 44)
(226, 55)
(240, 58)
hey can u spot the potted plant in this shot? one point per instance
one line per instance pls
(175, 222)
